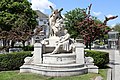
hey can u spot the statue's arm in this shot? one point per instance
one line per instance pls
(66, 37)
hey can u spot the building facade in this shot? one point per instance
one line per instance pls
(43, 21)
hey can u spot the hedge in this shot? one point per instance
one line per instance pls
(12, 61)
(100, 58)
(28, 48)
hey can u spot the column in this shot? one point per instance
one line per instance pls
(37, 53)
(79, 50)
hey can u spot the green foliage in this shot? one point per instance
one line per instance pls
(16, 13)
(28, 48)
(117, 27)
(17, 21)
(12, 61)
(72, 18)
(101, 43)
(100, 58)
(80, 22)
(103, 73)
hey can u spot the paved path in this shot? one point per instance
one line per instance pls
(114, 72)
(109, 77)
(116, 66)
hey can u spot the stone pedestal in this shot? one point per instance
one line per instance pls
(37, 53)
(63, 64)
(79, 50)
(59, 59)
(90, 65)
(92, 68)
(56, 65)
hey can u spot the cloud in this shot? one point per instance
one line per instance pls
(41, 4)
(97, 13)
(109, 15)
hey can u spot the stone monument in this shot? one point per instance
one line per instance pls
(58, 55)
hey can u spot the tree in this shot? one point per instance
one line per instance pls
(71, 19)
(89, 27)
(16, 18)
(117, 27)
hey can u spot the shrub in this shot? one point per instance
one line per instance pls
(100, 58)
(28, 48)
(12, 61)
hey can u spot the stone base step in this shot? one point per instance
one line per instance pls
(55, 70)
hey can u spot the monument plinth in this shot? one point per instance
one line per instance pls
(58, 55)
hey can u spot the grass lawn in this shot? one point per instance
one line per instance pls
(15, 75)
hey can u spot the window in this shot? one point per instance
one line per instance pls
(44, 22)
(41, 20)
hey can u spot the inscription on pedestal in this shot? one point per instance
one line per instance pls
(59, 59)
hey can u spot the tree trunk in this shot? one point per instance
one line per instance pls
(8, 43)
(86, 44)
(12, 43)
(23, 42)
(89, 45)
(4, 42)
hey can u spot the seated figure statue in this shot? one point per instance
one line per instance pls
(65, 42)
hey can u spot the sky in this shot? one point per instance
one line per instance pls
(100, 8)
